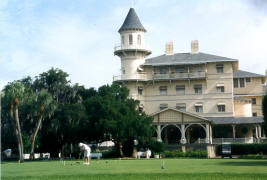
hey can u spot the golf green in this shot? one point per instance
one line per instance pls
(137, 169)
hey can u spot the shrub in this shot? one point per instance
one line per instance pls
(173, 154)
(245, 149)
(189, 154)
(196, 154)
(110, 154)
(252, 156)
(157, 147)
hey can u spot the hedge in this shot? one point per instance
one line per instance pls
(245, 149)
(189, 154)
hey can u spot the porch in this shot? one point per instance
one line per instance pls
(174, 127)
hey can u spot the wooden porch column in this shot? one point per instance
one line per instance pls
(210, 134)
(183, 139)
(259, 129)
(159, 133)
(233, 127)
(207, 140)
(257, 134)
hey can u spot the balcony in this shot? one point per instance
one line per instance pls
(118, 49)
(138, 76)
(174, 76)
(157, 76)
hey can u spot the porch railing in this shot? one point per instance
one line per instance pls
(233, 140)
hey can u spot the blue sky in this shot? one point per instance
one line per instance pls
(79, 36)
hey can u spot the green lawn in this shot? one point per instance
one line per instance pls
(138, 169)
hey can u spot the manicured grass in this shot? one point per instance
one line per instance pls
(200, 169)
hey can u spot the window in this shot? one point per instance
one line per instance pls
(139, 39)
(220, 88)
(130, 39)
(181, 106)
(248, 80)
(221, 107)
(122, 40)
(180, 89)
(254, 101)
(163, 90)
(140, 90)
(163, 106)
(219, 68)
(197, 69)
(123, 70)
(198, 89)
(254, 114)
(235, 83)
(179, 69)
(242, 82)
(162, 70)
(141, 108)
(199, 108)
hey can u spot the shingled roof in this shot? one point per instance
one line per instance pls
(243, 74)
(185, 58)
(132, 22)
(236, 120)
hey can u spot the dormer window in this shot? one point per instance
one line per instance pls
(139, 39)
(130, 39)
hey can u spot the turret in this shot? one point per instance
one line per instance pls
(132, 49)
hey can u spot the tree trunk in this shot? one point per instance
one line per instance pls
(34, 136)
(120, 149)
(19, 136)
(13, 122)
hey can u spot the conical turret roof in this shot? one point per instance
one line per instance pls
(132, 22)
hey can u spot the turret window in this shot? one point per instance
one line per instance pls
(130, 39)
(122, 40)
(139, 39)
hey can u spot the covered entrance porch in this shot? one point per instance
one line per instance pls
(178, 127)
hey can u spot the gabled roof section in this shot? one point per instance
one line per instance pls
(242, 74)
(186, 58)
(132, 22)
(184, 112)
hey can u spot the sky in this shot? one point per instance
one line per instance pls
(79, 36)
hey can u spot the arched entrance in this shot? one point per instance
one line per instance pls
(171, 134)
(195, 132)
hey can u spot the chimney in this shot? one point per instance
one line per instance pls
(194, 47)
(169, 48)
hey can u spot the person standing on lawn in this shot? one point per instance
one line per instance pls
(86, 152)
(148, 153)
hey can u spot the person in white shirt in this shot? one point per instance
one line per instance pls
(86, 150)
(148, 153)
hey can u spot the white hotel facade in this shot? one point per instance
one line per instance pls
(193, 97)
